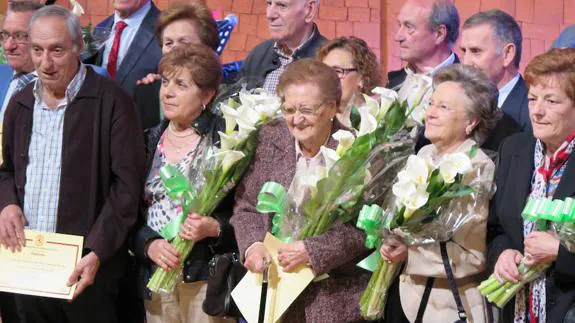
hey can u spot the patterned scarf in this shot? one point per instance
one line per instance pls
(530, 303)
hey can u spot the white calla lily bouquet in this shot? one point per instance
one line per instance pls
(216, 173)
(422, 208)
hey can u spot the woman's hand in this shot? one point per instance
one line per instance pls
(292, 256)
(393, 250)
(256, 256)
(540, 248)
(163, 254)
(197, 227)
(506, 266)
(149, 79)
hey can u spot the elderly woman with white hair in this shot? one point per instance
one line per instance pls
(461, 113)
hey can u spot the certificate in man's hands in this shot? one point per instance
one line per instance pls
(43, 266)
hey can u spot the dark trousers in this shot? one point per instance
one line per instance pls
(8, 311)
(97, 304)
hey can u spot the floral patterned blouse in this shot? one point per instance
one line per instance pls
(161, 208)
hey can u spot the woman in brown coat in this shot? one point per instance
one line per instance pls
(310, 92)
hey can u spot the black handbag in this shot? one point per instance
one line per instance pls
(225, 272)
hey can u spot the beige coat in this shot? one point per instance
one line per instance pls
(467, 254)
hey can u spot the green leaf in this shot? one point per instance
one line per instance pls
(355, 117)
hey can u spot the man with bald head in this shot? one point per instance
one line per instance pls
(428, 30)
(294, 35)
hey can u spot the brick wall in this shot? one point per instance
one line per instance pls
(372, 20)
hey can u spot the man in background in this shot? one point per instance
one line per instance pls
(294, 35)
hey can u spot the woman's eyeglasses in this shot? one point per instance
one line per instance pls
(342, 72)
(304, 110)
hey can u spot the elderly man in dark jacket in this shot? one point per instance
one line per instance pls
(294, 36)
(73, 163)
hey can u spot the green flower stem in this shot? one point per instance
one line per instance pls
(165, 281)
(500, 294)
(373, 300)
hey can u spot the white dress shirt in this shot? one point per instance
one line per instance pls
(133, 22)
(506, 89)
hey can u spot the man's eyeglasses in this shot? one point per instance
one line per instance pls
(18, 36)
(342, 72)
(304, 110)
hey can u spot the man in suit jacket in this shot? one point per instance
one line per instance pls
(294, 36)
(428, 30)
(138, 53)
(73, 163)
(491, 41)
(14, 36)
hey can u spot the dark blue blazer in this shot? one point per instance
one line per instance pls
(143, 55)
(6, 73)
(516, 105)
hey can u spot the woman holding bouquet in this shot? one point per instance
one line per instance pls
(190, 79)
(357, 68)
(461, 113)
(310, 92)
(537, 165)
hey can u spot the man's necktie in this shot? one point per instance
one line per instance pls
(113, 58)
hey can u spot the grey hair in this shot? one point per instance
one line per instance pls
(482, 93)
(24, 6)
(72, 22)
(506, 30)
(445, 13)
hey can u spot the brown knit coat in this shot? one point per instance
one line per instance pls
(335, 252)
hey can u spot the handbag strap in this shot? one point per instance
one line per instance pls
(424, 299)
(452, 286)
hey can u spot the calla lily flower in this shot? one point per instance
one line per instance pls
(268, 110)
(330, 157)
(345, 140)
(309, 182)
(77, 9)
(371, 105)
(248, 114)
(403, 189)
(416, 170)
(245, 128)
(415, 201)
(387, 97)
(453, 164)
(230, 116)
(229, 142)
(462, 162)
(368, 123)
(229, 158)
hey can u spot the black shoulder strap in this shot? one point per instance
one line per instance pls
(424, 299)
(452, 285)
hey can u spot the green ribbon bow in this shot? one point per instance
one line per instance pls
(177, 187)
(272, 199)
(369, 220)
(549, 210)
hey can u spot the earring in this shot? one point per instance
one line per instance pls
(203, 107)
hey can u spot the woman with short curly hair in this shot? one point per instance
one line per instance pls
(357, 68)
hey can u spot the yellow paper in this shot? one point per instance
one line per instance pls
(283, 288)
(43, 266)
